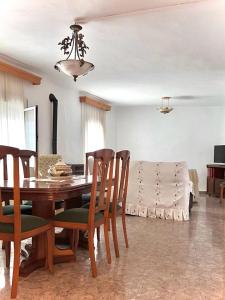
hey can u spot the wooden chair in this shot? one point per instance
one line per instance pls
(222, 189)
(86, 197)
(89, 171)
(3, 159)
(97, 214)
(119, 196)
(18, 227)
(88, 155)
(25, 157)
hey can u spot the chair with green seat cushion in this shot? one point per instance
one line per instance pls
(97, 214)
(119, 196)
(16, 227)
(89, 159)
(118, 204)
(25, 157)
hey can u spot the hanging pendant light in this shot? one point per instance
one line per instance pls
(165, 107)
(76, 66)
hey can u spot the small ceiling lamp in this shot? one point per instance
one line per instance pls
(76, 66)
(165, 107)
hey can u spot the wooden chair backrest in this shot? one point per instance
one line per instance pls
(88, 156)
(121, 178)
(6, 151)
(103, 159)
(5, 169)
(25, 156)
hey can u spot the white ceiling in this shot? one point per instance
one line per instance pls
(150, 49)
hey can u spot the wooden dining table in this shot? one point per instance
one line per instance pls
(44, 193)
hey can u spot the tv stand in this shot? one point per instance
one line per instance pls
(216, 175)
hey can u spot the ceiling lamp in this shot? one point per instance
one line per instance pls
(76, 66)
(165, 107)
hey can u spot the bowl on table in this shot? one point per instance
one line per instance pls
(60, 169)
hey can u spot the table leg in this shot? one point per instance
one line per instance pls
(36, 257)
(64, 242)
(64, 237)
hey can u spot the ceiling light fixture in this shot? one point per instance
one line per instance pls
(165, 107)
(76, 66)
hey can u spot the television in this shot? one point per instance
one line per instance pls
(219, 154)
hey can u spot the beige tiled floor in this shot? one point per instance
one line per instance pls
(166, 260)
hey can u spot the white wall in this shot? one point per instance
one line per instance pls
(69, 131)
(187, 134)
(110, 136)
(69, 119)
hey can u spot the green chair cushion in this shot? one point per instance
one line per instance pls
(27, 223)
(85, 198)
(86, 205)
(76, 215)
(27, 202)
(118, 207)
(25, 209)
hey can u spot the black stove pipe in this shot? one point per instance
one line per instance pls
(54, 101)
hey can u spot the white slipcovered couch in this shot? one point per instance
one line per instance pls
(159, 190)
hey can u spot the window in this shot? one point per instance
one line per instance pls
(93, 127)
(31, 128)
(11, 111)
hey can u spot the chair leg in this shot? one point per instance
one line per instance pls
(16, 266)
(75, 241)
(7, 247)
(77, 235)
(49, 250)
(125, 229)
(108, 224)
(3, 245)
(98, 233)
(107, 247)
(91, 249)
(115, 239)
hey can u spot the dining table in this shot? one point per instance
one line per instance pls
(44, 192)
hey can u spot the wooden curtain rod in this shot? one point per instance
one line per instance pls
(95, 103)
(15, 71)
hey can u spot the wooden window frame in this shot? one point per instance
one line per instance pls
(15, 71)
(96, 103)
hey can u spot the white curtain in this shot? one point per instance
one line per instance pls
(11, 111)
(93, 127)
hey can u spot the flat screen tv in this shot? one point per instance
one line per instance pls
(219, 154)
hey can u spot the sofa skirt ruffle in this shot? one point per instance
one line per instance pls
(160, 213)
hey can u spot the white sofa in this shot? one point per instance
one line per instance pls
(159, 190)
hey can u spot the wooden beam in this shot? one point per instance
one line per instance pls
(96, 103)
(15, 71)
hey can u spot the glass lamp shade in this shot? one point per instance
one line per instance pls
(165, 107)
(74, 67)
